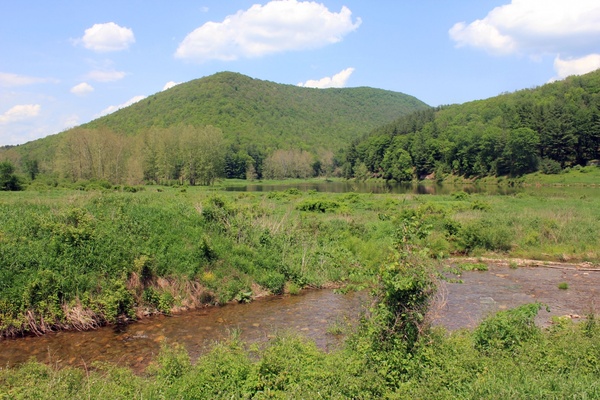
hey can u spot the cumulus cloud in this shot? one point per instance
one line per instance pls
(170, 84)
(82, 89)
(107, 37)
(105, 75)
(576, 66)
(534, 27)
(277, 26)
(11, 80)
(111, 109)
(336, 81)
(20, 112)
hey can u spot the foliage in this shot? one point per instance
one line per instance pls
(507, 329)
(228, 239)
(550, 128)
(112, 253)
(148, 141)
(8, 180)
(318, 205)
(562, 362)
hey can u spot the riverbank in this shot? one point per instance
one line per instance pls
(505, 356)
(81, 259)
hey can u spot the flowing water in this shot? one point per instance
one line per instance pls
(134, 345)
(315, 314)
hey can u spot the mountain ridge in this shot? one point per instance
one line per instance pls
(244, 107)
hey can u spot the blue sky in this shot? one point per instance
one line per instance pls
(66, 62)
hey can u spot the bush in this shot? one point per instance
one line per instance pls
(460, 195)
(484, 234)
(508, 329)
(8, 180)
(318, 205)
(273, 281)
(550, 167)
(172, 363)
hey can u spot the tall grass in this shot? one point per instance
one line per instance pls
(72, 258)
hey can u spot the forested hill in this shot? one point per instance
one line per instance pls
(547, 128)
(224, 125)
(267, 114)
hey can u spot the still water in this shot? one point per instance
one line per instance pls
(369, 187)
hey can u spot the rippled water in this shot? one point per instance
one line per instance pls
(311, 314)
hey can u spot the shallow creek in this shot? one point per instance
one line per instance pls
(314, 314)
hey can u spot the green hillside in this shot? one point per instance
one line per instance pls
(265, 113)
(548, 128)
(254, 126)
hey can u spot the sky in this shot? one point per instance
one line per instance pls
(66, 62)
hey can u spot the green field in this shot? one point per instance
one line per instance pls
(80, 258)
(77, 258)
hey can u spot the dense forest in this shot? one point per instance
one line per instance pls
(229, 125)
(283, 130)
(548, 128)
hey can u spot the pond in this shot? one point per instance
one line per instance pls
(370, 187)
(316, 314)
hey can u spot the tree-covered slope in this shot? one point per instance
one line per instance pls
(265, 113)
(550, 127)
(285, 130)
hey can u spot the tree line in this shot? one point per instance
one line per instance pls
(547, 128)
(179, 154)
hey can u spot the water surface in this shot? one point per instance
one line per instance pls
(371, 187)
(312, 314)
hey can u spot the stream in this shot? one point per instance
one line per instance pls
(316, 314)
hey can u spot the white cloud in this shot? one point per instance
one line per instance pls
(11, 80)
(534, 27)
(105, 76)
(277, 26)
(20, 112)
(82, 89)
(70, 121)
(111, 109)
(170, 84)
(337, 81)
(107, 37)
(576, 66)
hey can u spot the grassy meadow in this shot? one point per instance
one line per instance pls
(79, 258)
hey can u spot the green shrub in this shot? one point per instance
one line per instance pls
(273, 281)
(480, 205)
(172, 363)
(508, 329)
(550, 167)
(461, 195)
(473, 267)
(318, 205)
(114, 301)
(220, 374)
(484, 234)
(8, 180)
